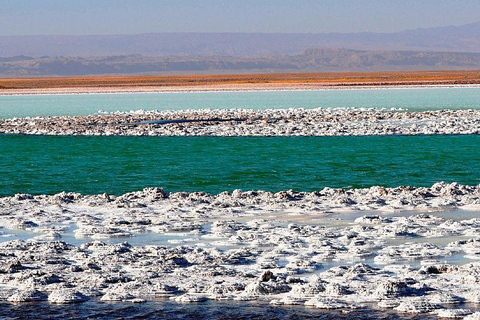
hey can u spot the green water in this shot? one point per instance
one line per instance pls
(91, 165)
(413, 99)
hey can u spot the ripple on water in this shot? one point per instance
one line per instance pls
(169, 310)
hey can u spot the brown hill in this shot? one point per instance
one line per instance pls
(465, 38)
(312, 60)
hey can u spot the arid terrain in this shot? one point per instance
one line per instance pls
(293, 81)
(315, 60)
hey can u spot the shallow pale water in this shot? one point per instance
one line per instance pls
(413, 99)
(345, 220)
(116, 165)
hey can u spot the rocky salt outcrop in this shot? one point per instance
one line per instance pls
(249, 122)
(29, 295)
(417, 306)
(252, 245)
(64, 296)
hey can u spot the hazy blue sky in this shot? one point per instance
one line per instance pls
(27, 17)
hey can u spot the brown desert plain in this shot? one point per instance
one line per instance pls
(279, 81)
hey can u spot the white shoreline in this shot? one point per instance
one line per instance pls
(213, 89)
(250, 122)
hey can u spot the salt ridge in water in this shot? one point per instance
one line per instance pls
(245, 122)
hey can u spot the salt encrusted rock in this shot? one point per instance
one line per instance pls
(445, 298)
(28, 295)
(363, 198)
(224, 228)
(245, 297)
(388, 304)
(117, 293)
(301, 265)
(225, 288)
(473, 316)
(472, 296)
(453, 313)
(392, 288)
(11, 266)
(268, 263)
(308, 290)
(66, 295)
(355, 272)
(137, 300)
(336, 290)
(436, 268)
(416, 306)
(372, 219)
(326, 303)
(20, 223)
(265, 288)
(190, 298)
(411, 251)
(112, 296)
(99, 232)
(65, 197)
(288, 300)
(23, 196)
(155, 193)
(267, 276)
(49, 236)
(471, 246)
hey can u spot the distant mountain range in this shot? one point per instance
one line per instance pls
(454, 47)
(464, 38)
(311, 60)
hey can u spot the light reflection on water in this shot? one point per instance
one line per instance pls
(281, 220)
(413, 99)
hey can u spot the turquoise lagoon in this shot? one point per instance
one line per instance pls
(90, 165)
(413, 99)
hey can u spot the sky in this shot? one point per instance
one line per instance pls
(90, 17)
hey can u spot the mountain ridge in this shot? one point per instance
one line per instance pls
(310, 60)
(464, 38)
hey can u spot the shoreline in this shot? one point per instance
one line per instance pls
(239, 82)
(219, 88)
(248, 122)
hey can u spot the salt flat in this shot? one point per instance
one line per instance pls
(400, 254)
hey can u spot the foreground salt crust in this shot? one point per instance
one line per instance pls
(278, 247)
(248, 122)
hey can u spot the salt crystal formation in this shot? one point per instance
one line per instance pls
(249, 122)
(256, 245)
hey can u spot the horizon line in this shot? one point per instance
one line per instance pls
(235, 32)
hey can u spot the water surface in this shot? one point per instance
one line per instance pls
(92, 165)
(413, 99)
(170, 310)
